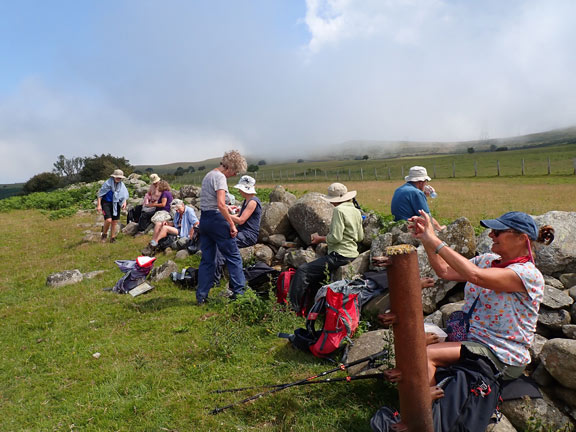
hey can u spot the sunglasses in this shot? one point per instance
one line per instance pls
(496, 232)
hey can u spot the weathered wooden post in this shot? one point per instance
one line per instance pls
(361, 174)
(348, 173)
(389, 174)
(453, 169)
(434, 176)
(409, 339)
(376, 173)
(498, 167)
(475, 168)
(549, 170)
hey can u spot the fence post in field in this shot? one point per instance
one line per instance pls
(409, 339)
(402, 171)
(548, 165)
(361, 174)
(389, 174)
(314, 173)
(574, 162)
(349, 174)
(498, 167)
(434, 170)
(337, 174)
(376, 174)
(522, 166)
(475, 168)
(453, 169)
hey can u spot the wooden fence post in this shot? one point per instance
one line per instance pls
(402, 171)
(434, 171)
(498, 167)
(361, 174)
(349, 174)
(453, 169)
(522, 166)
(409, 339)
(376, 174)
(475, 168)
(389, 174)
(549, 170)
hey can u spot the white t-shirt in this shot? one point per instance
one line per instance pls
(213, 181)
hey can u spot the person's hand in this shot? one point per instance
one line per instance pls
(421, 226)
(315, 238)
(432, 338)
(99, 209)
(380, 261)
(124, 205)
(233, 230)
(427, 282)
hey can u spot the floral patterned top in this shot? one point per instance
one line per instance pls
(506, 322)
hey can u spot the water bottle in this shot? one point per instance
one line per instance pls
(433, 195)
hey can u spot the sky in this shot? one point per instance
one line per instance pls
(185, 80)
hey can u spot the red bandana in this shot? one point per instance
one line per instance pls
(519, 260)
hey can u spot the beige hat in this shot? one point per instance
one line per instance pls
(118, 173)
(417, 173)
(154, 178)
(338, 193)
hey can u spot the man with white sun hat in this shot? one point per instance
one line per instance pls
(410, 197)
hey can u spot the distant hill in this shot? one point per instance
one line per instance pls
(8, 190)
(394, 149)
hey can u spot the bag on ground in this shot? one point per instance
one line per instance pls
(283, 285)
(185, 279)
(260, 275)
(135, 272)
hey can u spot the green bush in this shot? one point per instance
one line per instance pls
(42, 182)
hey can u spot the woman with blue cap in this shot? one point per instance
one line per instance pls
(503, 292)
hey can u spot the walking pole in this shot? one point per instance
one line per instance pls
(296, 383)
(324, 381)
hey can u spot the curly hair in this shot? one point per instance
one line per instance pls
(235, 161)
(163, 186)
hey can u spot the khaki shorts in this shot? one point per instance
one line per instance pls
(508, 372)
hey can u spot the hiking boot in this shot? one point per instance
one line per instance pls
(103, 237)
(153, 243)
(112, 239)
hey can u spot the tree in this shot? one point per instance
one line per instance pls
(470, 150)
(179, 171)
(100, 167)
(149, 170)
(493, 147)
(253, 168)
(300, 161)
(365, 157)
(191, 169)
(262, 162)
(42, 182)
(69, 167)
(201, 168)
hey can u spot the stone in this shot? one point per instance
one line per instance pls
(503, 425)
(568, 280)
(275, 240)
(181, 255)
(311, 214)
(483, 242)
(553, 282)
(556, 299)
(536, 347)
(274, 220)
(263, 253)
(523, 412)
(566, 395)
(372, 226)
(572, 292)
(376, 306)
(558, 257)
(569, 330)
(131, 229)
(279, 257)
(554, 319)
(164, 271)
(63, 278)
(321, 250)
(559, 358)
(379, 245)
(370, 343)
(93, 274)
(247, 254)
(460, 236)
(189, 191)
(279, 194)
(435, 318)
(542, 376)
(359, 266)
(297, 257)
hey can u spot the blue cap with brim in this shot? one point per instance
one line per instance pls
(517, 221)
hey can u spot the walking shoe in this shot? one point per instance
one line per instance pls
(153, 243)
(112, 239)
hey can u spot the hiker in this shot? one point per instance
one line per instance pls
(344, 234)
(218, 229)
(410, 197)
(183, 225)
(247, 220)
(504, 286)
(112, 198)
(151, 197)
(165, 199)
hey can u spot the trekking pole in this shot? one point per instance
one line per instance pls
(300, 382)
(324, 381)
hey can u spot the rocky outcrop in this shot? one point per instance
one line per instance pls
(310, 214)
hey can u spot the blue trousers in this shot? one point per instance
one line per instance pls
(242, 241)
(215, 236)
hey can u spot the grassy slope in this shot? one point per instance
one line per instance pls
(160, 354)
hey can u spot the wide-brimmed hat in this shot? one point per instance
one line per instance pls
(154, 178)
(118, 173)
(246, 184)
(517, 221)
(176, 203)
(337, 193)
(417, 173)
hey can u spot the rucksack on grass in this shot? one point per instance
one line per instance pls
(283, 285)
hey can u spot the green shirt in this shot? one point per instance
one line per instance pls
(345, 230)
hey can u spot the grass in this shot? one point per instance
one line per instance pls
(160, 355)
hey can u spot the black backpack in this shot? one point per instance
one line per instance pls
(471, 394)
(186, 279)
(260, 275)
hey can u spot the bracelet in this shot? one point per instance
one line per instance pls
(439, 247)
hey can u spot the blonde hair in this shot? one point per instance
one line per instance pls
(234, 161)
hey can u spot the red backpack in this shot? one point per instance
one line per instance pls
(283, 285)
(339, 300)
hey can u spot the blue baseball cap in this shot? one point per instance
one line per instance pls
(517, 221)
